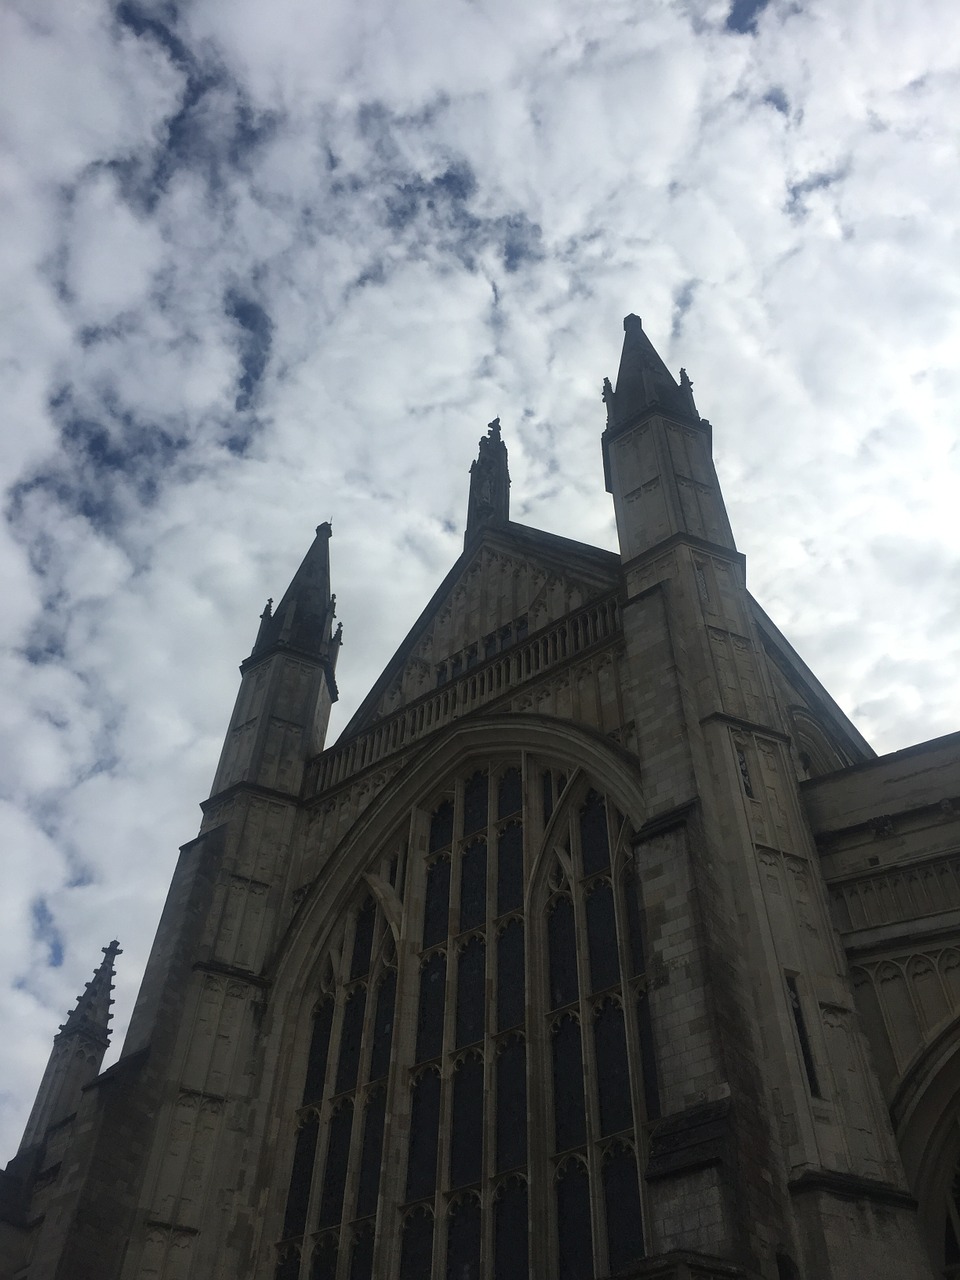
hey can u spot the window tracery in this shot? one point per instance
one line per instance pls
(522, 967)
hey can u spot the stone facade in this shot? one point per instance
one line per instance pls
(599, 944)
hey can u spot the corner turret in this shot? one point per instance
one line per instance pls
(657, 455)
(489, 501)
(289, 683)
(78, 1049)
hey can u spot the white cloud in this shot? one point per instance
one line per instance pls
(433, 216)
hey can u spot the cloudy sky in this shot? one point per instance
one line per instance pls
(269, 264)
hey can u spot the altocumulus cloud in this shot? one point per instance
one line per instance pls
(269, 265)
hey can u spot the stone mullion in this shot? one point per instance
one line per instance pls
(361, 1093)
(587, 1007)
(540, 1209)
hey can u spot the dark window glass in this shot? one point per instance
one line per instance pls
(510, 1232)
(331, 1199)
(361, 1259)
(510, 868)
(324, 1265)
(288, 1268)
(613, 1076)
(441, 674)
(319, 1047)
(363, 939)
(441, 826)
(593, 834)
(437, 905)
(490, 646)
(512, 1105)
(473, 885)
(466, 1141)
(471, 656)
(350, 1037)
(383, 1025)
(569, 1122)
(475, 804)
(370, 1154)
(602, 938)
(562, 945)
(463, 1241)
(416, 1251)
(456, 666)
(622, 1199)
(648, 1060)
(470, 982)
(433, 978)
(301, 1176)
(424, 1125)
(510, 993)
(634, 924)
(521, 629)
(547, 783)
(509, 794)
(573, 1223)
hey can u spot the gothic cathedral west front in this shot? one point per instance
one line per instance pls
(599, 944)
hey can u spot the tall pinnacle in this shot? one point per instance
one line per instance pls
(78, 1049)
(303, 620)
(489, 501)
(644, 382)
(92, 1015)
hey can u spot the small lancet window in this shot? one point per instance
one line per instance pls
(613, 1074)
(350, 1039)
(416, 1250)
(471, 966)
(475, 804)
(441, 826)
(602, 937)
(562, 946)
(573, 1222)
(594, 843)
(317, 1057)
(301, 1177)
(334, 1175)
(436, 908)
(806, 1051)
(361, 1258)
(363, 939)
(466, 1143)
(509, 794)
(510, 1246)
(512, 1104)
(463, 1240)
(510, 980)
(424, 1131)
(473, 885)
(622, 1202)
(510, 868)
(370, 1154)
(383, 1025)
(568, 1113)
(433, 978)
(325, 1255)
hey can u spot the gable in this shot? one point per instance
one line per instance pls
(508, 584)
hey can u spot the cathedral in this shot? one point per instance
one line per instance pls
(599, 944)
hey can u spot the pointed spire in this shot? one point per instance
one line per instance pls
(489, 501)
(644, 382)
(303, 620)
(78, 1049)
(92, 1015)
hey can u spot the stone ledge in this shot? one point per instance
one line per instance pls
(850, 1186)
(684, 1265)
(689, 1140)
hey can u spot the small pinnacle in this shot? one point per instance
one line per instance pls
(268, 609)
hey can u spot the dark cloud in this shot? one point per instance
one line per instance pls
(743, 15)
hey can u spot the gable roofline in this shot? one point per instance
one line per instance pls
(567, 553)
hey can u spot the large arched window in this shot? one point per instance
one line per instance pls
(516, 975)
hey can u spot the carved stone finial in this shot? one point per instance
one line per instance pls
(684, 380)
(606, 394)
(333, 604)
(268, 609)
(493, 429)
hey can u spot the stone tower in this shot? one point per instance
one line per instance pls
(541, 970)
